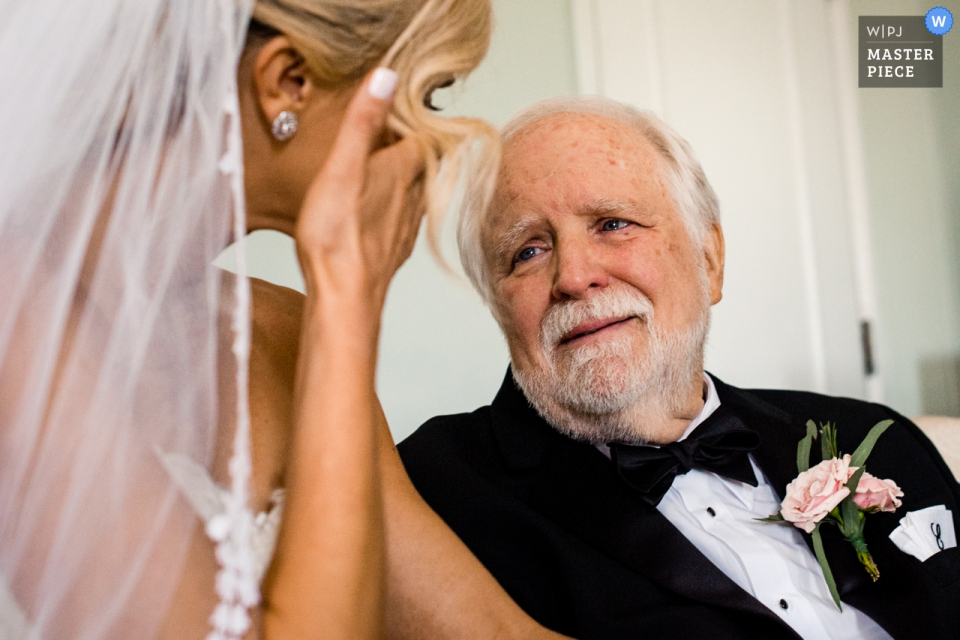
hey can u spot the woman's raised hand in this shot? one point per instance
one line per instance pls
(357, 225)
(361, 214)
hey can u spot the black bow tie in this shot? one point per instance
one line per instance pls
(720, 444)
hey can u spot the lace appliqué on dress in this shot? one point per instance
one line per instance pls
(209, 501)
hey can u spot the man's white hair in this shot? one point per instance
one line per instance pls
(681, 171)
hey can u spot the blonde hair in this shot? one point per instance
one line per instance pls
(429, 43)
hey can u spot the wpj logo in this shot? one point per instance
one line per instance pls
(901, 51)
(882, 31)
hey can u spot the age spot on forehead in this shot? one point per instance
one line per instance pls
(573, 142)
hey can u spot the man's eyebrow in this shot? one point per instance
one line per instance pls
(516, 231)
(608, 206)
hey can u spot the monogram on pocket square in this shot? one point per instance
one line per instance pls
(925, 532)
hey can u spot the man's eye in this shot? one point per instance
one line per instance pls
(613, 225)
(527, 253)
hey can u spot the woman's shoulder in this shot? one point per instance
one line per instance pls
(276, 317)
(275, 342)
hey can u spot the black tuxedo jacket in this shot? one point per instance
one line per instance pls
(577, 551)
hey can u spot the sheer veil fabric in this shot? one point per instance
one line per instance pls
(120, 182)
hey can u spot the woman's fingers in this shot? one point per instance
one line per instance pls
(360, 129)
(361, 215)
(398, 169)
(335, 193)
(403, 159)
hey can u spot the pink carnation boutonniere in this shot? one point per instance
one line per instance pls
(837, 491)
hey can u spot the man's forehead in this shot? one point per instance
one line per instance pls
(572, 142)
(568, 156)
(560, 132)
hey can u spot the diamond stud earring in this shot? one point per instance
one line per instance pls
(284, 126)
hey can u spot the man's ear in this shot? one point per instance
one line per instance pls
(280, 79)
(713, 251)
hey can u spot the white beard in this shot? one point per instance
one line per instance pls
(615, 390)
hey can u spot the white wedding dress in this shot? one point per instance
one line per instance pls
(207, 498)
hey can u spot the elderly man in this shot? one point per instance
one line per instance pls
(613, 488)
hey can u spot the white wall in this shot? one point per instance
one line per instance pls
(912, 144)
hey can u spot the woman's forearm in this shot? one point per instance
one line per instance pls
(436, 588)
(357, 225)
(327, 577)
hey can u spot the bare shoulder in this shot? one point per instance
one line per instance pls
(273, 363)
(275, 338)
(276, 317)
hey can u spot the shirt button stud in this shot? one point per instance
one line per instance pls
(713, 514)
(783, 604)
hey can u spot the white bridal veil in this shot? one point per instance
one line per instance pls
(120, 182)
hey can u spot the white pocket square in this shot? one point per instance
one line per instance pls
(925, 532)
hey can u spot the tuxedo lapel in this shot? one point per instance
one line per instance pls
(780, 433)
(575, 486)
(594, 505)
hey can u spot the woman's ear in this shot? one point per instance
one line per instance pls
(280, 79)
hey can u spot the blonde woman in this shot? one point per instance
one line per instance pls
(140, 388)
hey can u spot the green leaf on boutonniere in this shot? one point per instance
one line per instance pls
(803, 449)
(849, 511)
(772, 518)
(828, 442)
(860, 456)
(854, 480)
(822, 560)
(852, 521)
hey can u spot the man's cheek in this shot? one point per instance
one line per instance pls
(523, 338)
(526, 334)
(514, 307)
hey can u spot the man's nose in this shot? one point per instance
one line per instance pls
(578, 270)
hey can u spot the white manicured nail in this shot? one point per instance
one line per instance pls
(383, 83)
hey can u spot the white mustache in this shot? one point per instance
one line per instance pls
(610, 302)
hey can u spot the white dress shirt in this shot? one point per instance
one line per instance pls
(769, 561)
